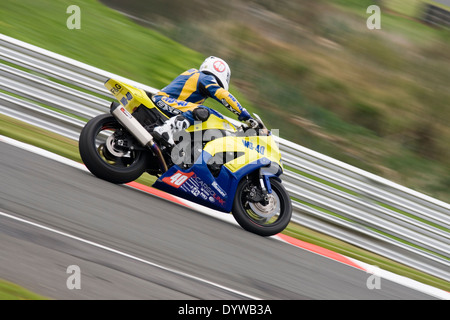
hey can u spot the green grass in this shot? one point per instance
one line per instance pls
(411, 8)
(69, 148)
(11, 291)
(106, 39)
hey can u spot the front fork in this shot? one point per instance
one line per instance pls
(264, 182)
(265, 173)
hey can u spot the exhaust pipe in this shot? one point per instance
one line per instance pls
(127, 120)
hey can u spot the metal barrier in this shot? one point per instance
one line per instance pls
(436, 16)
(435, 13)
(328, 195)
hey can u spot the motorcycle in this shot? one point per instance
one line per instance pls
(214, 163)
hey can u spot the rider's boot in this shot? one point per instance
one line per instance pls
(165, 132)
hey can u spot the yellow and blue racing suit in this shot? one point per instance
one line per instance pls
(189, 90)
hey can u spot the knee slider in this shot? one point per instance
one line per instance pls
(200, 114)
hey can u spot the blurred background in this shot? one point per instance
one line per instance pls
(376, 99)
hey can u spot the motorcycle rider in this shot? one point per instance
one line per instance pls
(182, 99)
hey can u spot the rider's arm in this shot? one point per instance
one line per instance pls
(231, 103)
(227, 99)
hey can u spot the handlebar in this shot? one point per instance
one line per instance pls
(256, 124)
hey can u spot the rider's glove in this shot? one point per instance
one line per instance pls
(253, 123)
(244, 115)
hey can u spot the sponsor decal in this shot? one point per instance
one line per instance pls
(126, 98)
(177, 179)
(116, 89)
(258, 148)
(219, 189)
(125, 112)
(193, 184)
(164, 106)
(219, 66)
(213, 196)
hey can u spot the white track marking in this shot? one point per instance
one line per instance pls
(121, 253)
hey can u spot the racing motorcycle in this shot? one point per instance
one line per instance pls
(213, 163)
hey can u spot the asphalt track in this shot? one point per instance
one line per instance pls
(132, 245)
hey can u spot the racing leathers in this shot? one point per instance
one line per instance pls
(182, 101)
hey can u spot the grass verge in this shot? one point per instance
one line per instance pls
(11, 291)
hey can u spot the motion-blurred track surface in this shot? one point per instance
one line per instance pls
(190, 255)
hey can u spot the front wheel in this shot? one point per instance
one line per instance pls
(263, 218)
(108, 151)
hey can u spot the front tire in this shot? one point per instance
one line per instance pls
(264, 220)
(104, 157)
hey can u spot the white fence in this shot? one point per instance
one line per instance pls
(436, 16)
(340, 200)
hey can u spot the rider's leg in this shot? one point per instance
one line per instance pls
(182, 121)
(169, 128)
(176, 123)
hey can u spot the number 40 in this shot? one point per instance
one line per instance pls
(177, 179)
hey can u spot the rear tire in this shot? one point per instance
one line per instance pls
(264, 220)
(119, 166)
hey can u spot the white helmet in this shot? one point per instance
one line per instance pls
(219, 68)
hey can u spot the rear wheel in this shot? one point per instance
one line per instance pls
(108, 151)
(265, 218)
